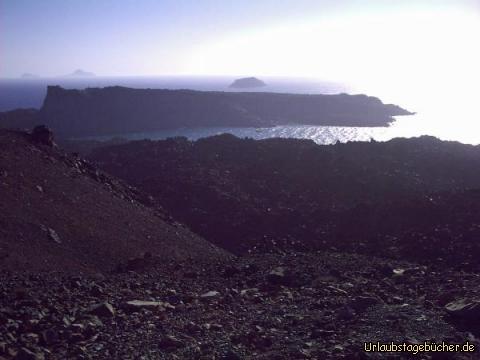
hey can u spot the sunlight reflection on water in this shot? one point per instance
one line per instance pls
(405, 126)
(449, 111)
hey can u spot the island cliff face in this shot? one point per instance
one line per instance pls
(116, 110)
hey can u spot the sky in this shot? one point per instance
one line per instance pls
(422, 54)
(329, 39)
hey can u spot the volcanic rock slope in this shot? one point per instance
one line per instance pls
(58, 212)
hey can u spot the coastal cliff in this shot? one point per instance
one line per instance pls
(116, 110)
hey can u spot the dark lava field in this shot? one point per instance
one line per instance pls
(228, 248)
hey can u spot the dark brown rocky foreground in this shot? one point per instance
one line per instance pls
(291, 306)
(93, 268)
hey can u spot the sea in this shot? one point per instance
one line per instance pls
(446, 113)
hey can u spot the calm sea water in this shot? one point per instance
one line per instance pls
(448, 115)
(319, 134)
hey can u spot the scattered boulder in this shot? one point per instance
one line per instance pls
(465, 311)
(230, 271)
(210, 294)
(26, 354)
(137, 305)
(52, 234)
(49, 336)
(231, 355)
(447, 297)
(170, 343)
(104, 309)
(346, 313)
(279, 276)
(385, 270)
(361, 303)
(138, 263)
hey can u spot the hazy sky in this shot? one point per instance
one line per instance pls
(331, 39)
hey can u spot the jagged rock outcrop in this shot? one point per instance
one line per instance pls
(42, 135)
(115, 110)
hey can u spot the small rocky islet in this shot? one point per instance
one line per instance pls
(247, 83)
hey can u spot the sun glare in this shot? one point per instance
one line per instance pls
(426, 61)
(399, 47)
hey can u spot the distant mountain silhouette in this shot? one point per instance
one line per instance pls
(248, 82)
(81, 73)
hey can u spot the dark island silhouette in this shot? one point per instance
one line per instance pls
(29, 76)
(81, 73)
(246, 83)
(120, 110)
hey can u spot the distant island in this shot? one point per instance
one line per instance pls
(76, 73)
(121, 110)
(248, 82)
(81, 73)
(29, 76)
